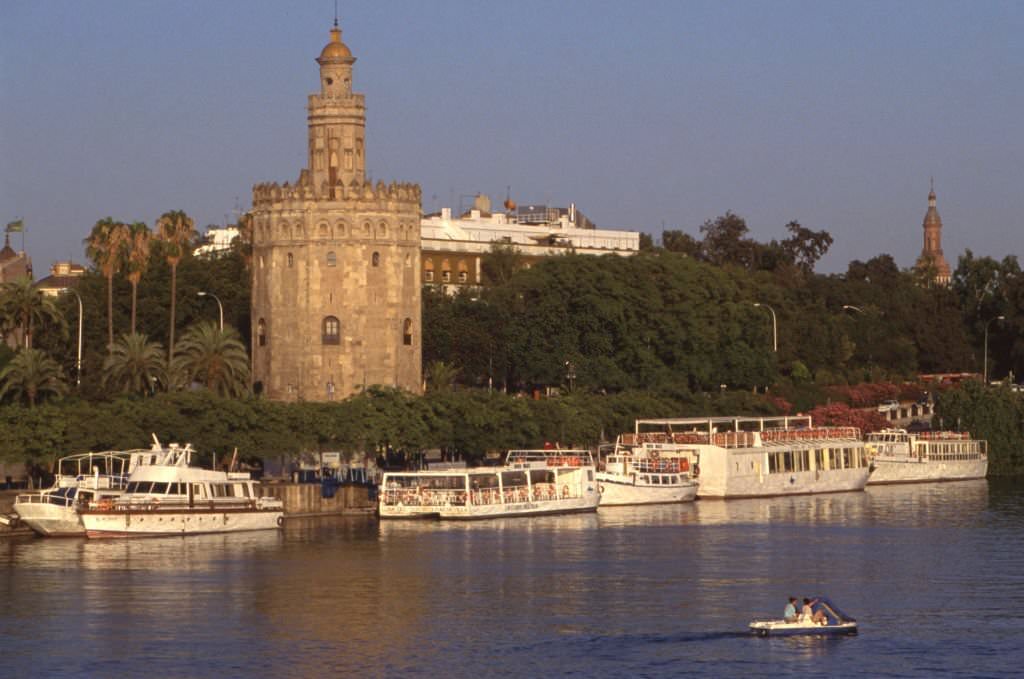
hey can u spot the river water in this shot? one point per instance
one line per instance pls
(933, 573)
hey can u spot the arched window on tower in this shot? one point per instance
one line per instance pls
(428, 270)
(331, 330)
(332, 259)
(375, 259)
(407, 332)
(291, 260)
(261, 333)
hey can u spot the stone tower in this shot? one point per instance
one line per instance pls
(336, 260)
(931, 254)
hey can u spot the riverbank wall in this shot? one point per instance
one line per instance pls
(307, 499)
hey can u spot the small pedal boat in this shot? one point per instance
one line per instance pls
(835, 622)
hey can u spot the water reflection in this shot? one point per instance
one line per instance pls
(662, 590)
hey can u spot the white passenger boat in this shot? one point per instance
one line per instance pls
(763, 456)
(532, 482)
(171, 497)
(833, 621)
(646, 473)
(902, 457)
(78, 480)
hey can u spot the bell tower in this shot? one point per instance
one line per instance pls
(337, 119)
(931, 253)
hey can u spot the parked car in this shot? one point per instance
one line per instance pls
(886, 406)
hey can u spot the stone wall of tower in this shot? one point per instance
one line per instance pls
(350, 255)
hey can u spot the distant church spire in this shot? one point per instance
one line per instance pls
(931, 254)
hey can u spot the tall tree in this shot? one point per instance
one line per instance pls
(105, 247)
(806, 246)
(177, 231)
(135, 365)
(22, 305)
(215, 358)
(30, 375)
(137, 259)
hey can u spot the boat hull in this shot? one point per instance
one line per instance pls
(128, 523)
(50, 520)
(620, 492)
(574, 505)
(780, 628)
(909, 470)
(793, 483)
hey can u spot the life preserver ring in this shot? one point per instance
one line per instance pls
(280, 521)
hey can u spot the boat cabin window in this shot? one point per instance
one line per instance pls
(198, 491)
(590, 475)
(656, 480)
(160, 488)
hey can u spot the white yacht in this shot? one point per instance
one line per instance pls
(763, 456)
(646, 473)
(902, 457)
(532, 482)
(78, 480)
(170, 497)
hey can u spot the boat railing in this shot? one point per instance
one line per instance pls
(418, 497)
(671, 465)
(944, 436)
(810, 434)
(549, 458)
(45, 497)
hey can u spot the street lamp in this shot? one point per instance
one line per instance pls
(220, 307)
(985, 370)
(775, 326)
(78, 359)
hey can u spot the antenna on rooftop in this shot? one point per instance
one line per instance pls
(335, 13)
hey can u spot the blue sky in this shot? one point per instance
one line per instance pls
(647, 115)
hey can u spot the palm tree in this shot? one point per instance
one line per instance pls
(30, 375)
(104, 247)
(135, 365)
(215, 358)
(137, 258)
(441, 376)
(23, 306)
(177, 230)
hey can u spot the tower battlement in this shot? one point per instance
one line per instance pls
(359, 195)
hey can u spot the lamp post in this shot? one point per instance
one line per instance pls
(985, 369)
(220, 307)
(775, 326)
(78, 358)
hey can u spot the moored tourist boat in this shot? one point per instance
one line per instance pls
(763, 456)
(78, 480)
(832, 621)
(532, 482)
(903, 457)
(646, 473)
(172, 497)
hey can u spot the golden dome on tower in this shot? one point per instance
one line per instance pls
(335, 49)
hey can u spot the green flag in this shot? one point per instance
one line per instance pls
(17, 226)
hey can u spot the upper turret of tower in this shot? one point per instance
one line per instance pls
(335, 65)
